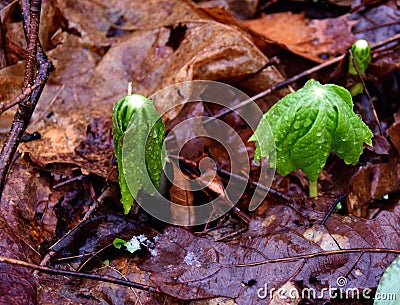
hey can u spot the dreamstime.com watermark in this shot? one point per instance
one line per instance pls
(340, 292)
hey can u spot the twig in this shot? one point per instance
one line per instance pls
(367, 93)
(293, 79)
(37, 70)
(89, 276)
(256, 184)
(378, 26)
(386, 41)
(20, 98)
(275, 87)
(333, 206)
(317, 254)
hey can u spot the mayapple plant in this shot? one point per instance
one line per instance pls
(362, 56)
(138, 133)
(307, 125)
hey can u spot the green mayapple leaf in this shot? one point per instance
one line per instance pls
(139, 146)
(309, 124)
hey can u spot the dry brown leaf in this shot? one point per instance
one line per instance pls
(202, 268)
(317, 40)
(181, 194)
(241, 9)
(394, 131)
(372, 182)
(11, 80)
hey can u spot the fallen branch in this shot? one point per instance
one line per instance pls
(317, 254)
(37, 70)
(20, 98)
(89, 276)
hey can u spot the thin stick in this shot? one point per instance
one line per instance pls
(333, 206)
(317, 254)
(293, 79)
(89, 276)
(20, 98)
(276, 87)
(254, 183)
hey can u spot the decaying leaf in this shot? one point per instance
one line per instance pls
(181, 194)
(317, 40)
(97, 48)
(372, 182)
(17, 285)
(394, 131)
(202, 268)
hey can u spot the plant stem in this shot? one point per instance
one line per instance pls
(313, 188)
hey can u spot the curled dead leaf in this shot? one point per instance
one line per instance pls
(317, 40)
(394, 131)
(181, 194)
(372, 182)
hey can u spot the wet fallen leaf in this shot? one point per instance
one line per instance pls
(394, 132)
(239, 9)
(317, 40)
(154, 44)
(181, 194)
(202, 268)
(372, 182)
(17, 284)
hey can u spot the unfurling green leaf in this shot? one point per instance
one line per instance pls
(138, 143)
(307, 125)
(118, 242)
(362, 56)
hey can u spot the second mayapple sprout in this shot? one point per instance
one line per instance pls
(138, 133)
(309, 124)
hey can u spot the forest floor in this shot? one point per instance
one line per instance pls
(60, 208)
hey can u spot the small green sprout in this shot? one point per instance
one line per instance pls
(131, 246)
(134, 244)
(138, 133)
(362, 55)
(306, 126)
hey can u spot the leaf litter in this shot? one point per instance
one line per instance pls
(56, 179)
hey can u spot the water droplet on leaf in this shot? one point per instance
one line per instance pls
(307, 122)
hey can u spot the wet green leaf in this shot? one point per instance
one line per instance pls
(139, 147)
(309, 124)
